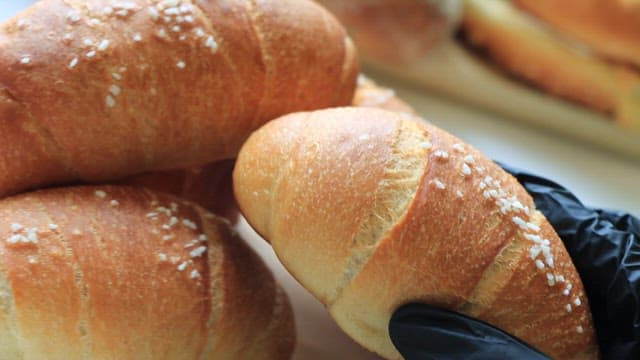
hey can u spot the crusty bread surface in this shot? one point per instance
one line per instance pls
(115, 272)
(98, 90)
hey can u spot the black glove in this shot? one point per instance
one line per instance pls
(605, 248)
(423, 332)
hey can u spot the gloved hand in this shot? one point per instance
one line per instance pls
(605, 248)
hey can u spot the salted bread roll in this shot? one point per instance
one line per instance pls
(99, 90)
(371, 210)
(123, 273)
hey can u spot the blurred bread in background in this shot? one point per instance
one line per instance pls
(552, 60)
(396, 31)
(568, 67)
(610, 27)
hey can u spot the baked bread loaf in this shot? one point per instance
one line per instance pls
(98, 90)
(611, 27)
(122, 273)
(371, 209)
(534, 52)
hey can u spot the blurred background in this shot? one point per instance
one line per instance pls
(547, 86)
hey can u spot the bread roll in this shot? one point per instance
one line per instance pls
(371, 210)
(533, 52)
(99, 90)
(611, 27)
(123, 273)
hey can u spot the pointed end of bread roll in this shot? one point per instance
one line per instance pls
(271, 155)
(315, 154)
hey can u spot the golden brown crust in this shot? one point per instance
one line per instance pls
(261, 193)
(468, 239)
(94, 91)
(138, 275)
(611, 27)
(532, 52)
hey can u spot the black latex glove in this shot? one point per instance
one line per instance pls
(605, 248)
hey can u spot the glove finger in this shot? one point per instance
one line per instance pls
(621, 220)
(424, 332)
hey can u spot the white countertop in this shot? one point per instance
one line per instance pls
(8, 8)
(598, 178)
